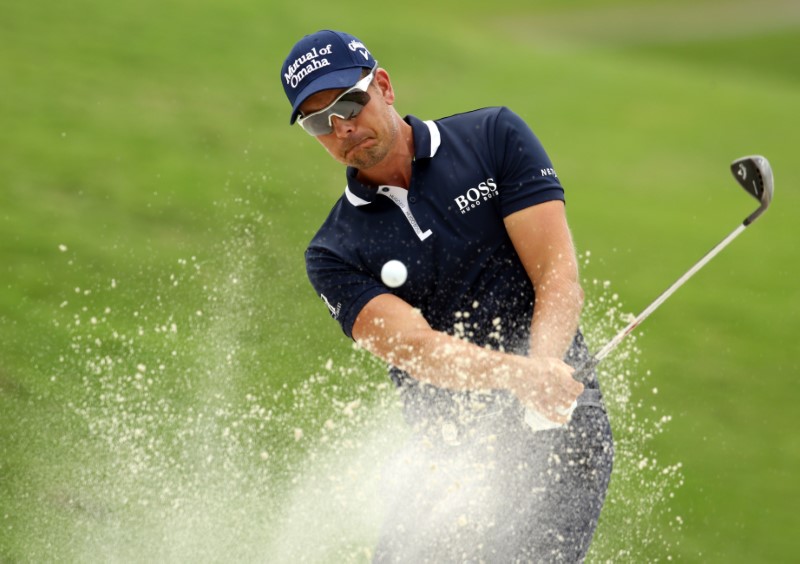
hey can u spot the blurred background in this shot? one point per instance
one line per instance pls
(166, 371)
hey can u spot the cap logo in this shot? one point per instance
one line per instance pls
(358, 46)
(306, 64)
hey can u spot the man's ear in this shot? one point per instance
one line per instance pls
(384, 85)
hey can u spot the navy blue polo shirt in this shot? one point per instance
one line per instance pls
(469, 172)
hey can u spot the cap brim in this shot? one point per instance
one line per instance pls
(343, 78)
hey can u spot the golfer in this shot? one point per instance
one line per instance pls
(484, 328)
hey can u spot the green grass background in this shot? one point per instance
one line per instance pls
(151, 140)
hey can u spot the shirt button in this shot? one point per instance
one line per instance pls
(385, 188)
(412, 199)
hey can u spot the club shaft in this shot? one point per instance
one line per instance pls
(612, 344)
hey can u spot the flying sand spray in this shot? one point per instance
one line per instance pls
(172, 480)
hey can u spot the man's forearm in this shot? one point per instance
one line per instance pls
(436, 358)
(556, 315)
(448, 362)
(394, 331)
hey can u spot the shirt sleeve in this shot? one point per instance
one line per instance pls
(527, 175)
(344, 288)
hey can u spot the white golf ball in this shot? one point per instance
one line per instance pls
(394, 273)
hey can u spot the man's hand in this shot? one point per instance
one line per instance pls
(548, 388)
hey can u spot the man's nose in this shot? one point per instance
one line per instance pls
(342, 127)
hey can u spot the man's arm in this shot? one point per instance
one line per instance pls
(543, 242)
(396, 332)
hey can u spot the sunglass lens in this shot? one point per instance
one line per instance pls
(347, 107)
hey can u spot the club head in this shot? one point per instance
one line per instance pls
(754, 174)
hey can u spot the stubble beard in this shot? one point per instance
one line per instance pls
(370, 156)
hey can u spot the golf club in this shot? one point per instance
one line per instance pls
(754, 174)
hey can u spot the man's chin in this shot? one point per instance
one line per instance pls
(362, 157)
